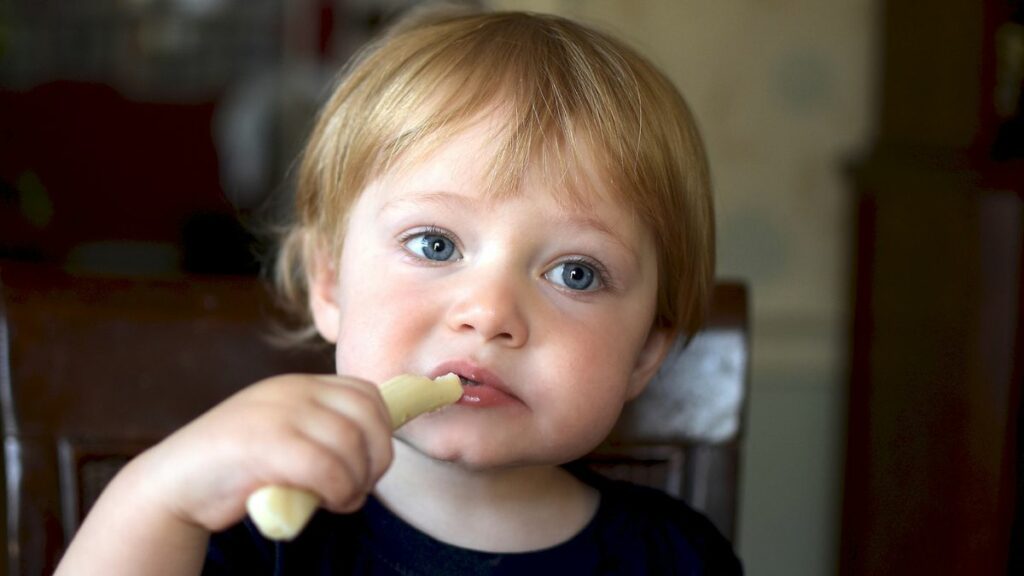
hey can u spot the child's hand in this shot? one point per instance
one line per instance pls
(329, 435)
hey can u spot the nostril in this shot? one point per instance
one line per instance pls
(502, 325)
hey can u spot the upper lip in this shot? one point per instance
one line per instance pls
(469, 370)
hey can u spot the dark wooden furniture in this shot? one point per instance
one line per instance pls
(938, 355)
(92, 370)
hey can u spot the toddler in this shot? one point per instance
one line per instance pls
(514, 198)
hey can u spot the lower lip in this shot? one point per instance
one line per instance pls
(484, 397)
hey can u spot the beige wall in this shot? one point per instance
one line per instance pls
(784, 93)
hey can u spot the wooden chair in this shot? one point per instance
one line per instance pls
(93, 370)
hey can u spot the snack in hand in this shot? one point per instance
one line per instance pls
(281, 512)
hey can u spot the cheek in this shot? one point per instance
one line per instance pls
(381, 320)
(590, 376)
(592, 369)
(604, 345)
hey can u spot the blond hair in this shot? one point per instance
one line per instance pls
(563, 88)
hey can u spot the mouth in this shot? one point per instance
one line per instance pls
(481, 388)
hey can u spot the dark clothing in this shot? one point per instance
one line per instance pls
(636, 531)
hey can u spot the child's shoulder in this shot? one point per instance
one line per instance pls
(649, 527)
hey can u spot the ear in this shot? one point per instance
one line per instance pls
(323, 294)
(659, 342)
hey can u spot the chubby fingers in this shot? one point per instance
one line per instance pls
(348, 420)
(336, 444)
(406, 396)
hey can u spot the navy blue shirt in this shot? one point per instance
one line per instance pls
(636, 530)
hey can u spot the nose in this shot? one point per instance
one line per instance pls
(492, 308)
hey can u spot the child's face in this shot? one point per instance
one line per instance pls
(549, 308)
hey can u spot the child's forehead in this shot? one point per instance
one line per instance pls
(478, 157)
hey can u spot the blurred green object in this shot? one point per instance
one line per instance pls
(33, 199)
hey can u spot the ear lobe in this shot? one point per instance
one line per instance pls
(323, 295)
(659, 342)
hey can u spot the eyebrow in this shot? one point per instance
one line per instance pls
(569, 219)
(440, 198)
(584, 221)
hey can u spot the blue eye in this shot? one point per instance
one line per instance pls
(432, 246)
(575, 276)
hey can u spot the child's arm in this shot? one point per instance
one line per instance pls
(328, 435)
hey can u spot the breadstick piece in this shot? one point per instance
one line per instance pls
(408, 396)
(281, 512)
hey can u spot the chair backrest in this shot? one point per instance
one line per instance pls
(94, 370)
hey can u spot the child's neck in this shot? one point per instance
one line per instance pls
(508, 510)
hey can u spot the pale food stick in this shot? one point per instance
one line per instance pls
(281, 512)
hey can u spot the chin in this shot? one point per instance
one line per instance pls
(483, 456)
(467, 453)
(476, 448)
(470, 455)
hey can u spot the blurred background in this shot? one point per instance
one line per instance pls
(868, 160)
